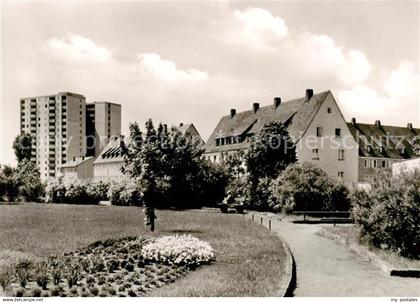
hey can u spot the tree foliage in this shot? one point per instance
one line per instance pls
(21, 183)
(168, 167)
(23, 147)
(389, 213)
(306, 187)
(271, 152)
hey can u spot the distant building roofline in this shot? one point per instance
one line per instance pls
(55, 94)
(103, 102)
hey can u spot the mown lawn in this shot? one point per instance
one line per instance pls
(351, 235)
(249, 258)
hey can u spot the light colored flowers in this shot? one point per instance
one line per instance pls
(179, 250)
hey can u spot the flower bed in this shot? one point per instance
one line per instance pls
(179, 250)
(123, 267)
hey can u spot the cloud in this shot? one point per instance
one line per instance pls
(311, 53)
(154, 67)
(404, 83)
(75, 47)
(401, 96)
(260, 25)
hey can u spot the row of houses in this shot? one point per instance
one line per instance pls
(108, 164)
(351, 151)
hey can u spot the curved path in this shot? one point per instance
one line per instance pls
(327, 268)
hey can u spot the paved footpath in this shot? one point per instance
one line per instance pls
(325, 267)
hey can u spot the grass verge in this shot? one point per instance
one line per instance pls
(350, 234)
(249, 260)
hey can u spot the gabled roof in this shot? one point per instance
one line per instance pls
(296, 114)
(113, 151)
(76, 162)
(184, 127)
(391, 138)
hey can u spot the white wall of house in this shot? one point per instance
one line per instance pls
(328, 145)
(407, 166)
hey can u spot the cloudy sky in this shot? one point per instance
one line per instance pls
(178, 61)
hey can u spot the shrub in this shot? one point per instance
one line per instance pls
(41, 274)
(96, 264)
(56, 290)
(259, 200)
(20, 292)
(129, 267)
(56, 267)
(74, 291)
(94, 291)
(23, 271)
(112, 265)
(72, 271)
(75, 192)
(6, 276)
(101, 280)
(389, 214)
(98, 191)
(303, 187)
(179, 250)
(112, 291)
(125, 193)
(36, 292)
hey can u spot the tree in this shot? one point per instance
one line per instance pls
(23, 147)
(30, 186)
(306, 187)
(270, 153)
(168, 167)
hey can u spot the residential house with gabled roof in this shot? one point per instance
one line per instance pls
(381, 146)
(314, 122)
(108, 164)
(189, 131)
(77, 168)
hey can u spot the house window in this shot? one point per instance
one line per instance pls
(319, 131)
(217, 141)
(214, 158)
(340, 154)
(366, 163)
(374, 163)
(315, 154)
(329, 110)
(337, 132)
(383, 164)
(341, 174)
(222, 141)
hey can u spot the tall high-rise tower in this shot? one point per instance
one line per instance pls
(103, 121)
(57, 124)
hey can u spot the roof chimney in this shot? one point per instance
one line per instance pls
(378, 123)
(255, 107)
(353, 121)
(232, 113)
(277, 102)
(309, 94)
(410, 126)
(181, 124)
